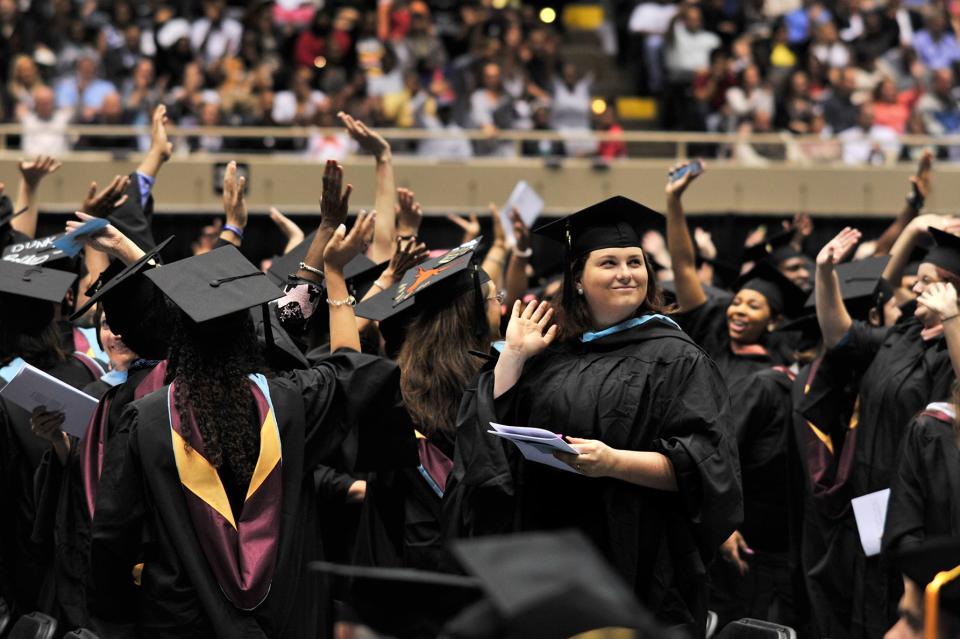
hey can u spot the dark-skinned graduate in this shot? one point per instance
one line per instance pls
(214, 495)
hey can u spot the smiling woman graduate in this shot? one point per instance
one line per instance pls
(656, 489)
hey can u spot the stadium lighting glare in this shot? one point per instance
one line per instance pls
(499, 4)
(319, 62)
(548, 15)
(598, 106)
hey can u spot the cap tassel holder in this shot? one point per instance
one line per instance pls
(568, 270)
(931, 602)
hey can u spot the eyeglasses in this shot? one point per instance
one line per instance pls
(499, 296)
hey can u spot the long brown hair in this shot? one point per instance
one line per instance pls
(575, 320)
(435, 363)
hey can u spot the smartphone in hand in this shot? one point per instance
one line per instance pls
(695, 167)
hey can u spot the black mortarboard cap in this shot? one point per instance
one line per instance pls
(39, 251)
(784, 297)
(807, 331)
(433, 284)
(28, 295)
(617, 222)
(924, 560)
(861, 285)
(945, 252)
(214, 284)
(116, 274)
(550, 585)
(289, 263)
(398, 601)
(34, 282)
(775, 249)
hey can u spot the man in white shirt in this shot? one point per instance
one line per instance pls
(44, 128)
(215, 36)
(689, 46)
(651, 20)
(869, 143)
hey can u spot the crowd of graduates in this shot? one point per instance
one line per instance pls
(304, 451)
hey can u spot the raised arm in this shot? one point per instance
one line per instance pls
(109, 240)
(160, 146)
(527, 335)
(690, 293)
(385, 200)
(831, 312)
(342, 248)
(288, 227)
(919, 190)
(495, 259)
(234, 205)
(516, 282)
(903, 247)
(334, 204)
(408, 254)
(31, 173)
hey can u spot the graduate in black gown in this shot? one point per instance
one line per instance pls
(656, 486)
(898, 373)
(930, 606)
(926, 488)
(737, 334)
(67, 484)
(29, 296)
(214, 493)
(445, 310)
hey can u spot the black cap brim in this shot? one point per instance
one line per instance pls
(35, 282)
(617, 222)
(859, 283)
(214, 284)
(924, 560)
(784, 297)
(945, 253)
(102, 287)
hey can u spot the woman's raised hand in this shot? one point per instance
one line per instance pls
(344, 246)
(839, 248)
(109, 239)
(529, 330)
(941, 298)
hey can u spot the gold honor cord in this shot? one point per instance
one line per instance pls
(931, 617)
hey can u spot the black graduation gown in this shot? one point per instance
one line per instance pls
(24, 563)
(925, 495)
(648, 388)
(134, 220)
(707, 327)
(903, 373)
(772, 504)
(63, 518)
(141, 514)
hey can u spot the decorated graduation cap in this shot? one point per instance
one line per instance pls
(617, 222)
(774, 249)
(28, 294)
(945, 252)
(923, 561)
(214, 284)
(36, 252)
(861, 285)
(784, 297)
(432, 284)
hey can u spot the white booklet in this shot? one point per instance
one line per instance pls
(529, 205)
(536, 444)
(870, 511)
(31, 387)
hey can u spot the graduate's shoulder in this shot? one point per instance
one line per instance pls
(938, 420)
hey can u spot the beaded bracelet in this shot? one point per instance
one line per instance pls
(236, 230)
(309, 269)
(350, 301)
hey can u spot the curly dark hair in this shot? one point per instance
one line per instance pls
(209, 363)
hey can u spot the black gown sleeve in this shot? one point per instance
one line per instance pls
(906, 508)
(696, 437)
(352, 406)
(117, 529)
(706, 324)
(134, 220)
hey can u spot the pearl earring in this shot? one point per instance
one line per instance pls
(580, 290)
